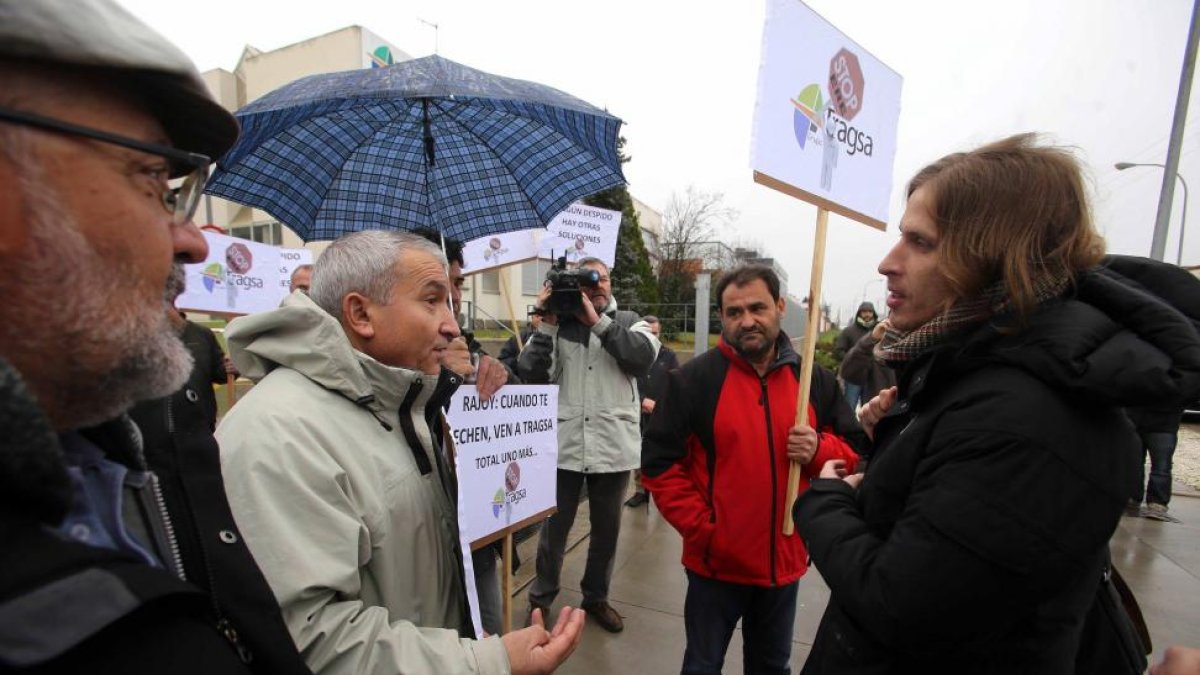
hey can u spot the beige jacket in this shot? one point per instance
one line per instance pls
(334, 482)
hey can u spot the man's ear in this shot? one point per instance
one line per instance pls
(781, 305)
(356, 315)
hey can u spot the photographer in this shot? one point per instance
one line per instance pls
(595, 354)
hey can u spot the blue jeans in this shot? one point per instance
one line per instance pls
(711, 611)
(853, 393)
(1160, 445)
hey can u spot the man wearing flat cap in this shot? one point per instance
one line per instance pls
(115, 558)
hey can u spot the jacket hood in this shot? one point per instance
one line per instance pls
(303, 337)
(1119, 338)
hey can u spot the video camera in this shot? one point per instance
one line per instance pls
(565, 288)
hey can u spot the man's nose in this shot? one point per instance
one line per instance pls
(189, 244)
(449, 326)
(888, 266)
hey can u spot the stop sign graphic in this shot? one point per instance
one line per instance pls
(846, 84)
(239, 258)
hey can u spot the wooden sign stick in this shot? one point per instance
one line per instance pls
(806, 360)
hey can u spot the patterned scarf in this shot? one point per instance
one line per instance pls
(898, 348)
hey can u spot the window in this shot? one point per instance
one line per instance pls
(490, 281)
(533, 274)
(264, 233)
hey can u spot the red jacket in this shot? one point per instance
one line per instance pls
(715, 459)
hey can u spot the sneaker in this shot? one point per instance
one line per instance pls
(604, 615)
(547, 620)
(1157, 512)
(637, 500)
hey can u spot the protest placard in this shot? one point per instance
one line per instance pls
(238, 277)
(507, 456)
(581, 231)
(506, 459)
(826, 116)
(825, 132)
(498, 250)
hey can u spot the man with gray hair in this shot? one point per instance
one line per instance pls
(595, 357)
(115, 558)
(301, 279)
(336, 474)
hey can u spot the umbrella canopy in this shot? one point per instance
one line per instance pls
(422, 143)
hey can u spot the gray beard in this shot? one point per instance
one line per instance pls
(75, 315)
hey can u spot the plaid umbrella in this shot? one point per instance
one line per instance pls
(422, 143)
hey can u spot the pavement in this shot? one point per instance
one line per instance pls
(1159, 560)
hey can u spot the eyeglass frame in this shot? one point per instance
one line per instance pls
(181, 210)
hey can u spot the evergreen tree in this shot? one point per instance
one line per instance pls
(633, 281)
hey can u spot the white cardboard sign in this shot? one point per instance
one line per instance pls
(507, 455)
(826, 115)
(582, 231)
(506, 458)
(499, 250)
(289, 260)
(238, 277)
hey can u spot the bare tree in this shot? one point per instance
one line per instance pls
(690, 225)
(690, 243)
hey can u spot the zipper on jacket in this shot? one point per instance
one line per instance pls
(712, 518)
(762, 381)
(168, 529)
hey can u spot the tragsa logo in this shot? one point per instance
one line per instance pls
(498, 503)
(212, 276)
(814, 113)
(511, 492)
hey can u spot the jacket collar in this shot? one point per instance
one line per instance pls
(33, 477)
(785, 355)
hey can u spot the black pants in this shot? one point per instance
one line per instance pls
(606, 491)
(711, 611)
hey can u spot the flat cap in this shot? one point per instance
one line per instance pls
(102, 35)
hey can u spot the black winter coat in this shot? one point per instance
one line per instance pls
(109, 613)
(976, 541)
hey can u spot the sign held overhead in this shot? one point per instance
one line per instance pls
(826, 116)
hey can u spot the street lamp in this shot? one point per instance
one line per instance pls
(1121, 166)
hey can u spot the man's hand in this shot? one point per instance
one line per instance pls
(647, 406)
(836, 468)
(802, 444)
(879, 329)
(542, 299)
(587, 314)
(1178, 660)
(489, 377)
(457, 358)
(875, 409)
(533, 651)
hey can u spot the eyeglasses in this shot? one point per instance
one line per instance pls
(181, 203)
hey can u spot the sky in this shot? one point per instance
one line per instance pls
(1100, 76)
